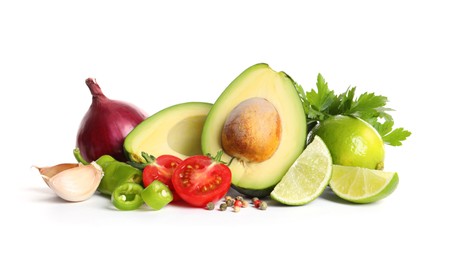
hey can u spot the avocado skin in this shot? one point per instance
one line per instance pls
(260, 193)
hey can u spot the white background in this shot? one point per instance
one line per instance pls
(161, 53)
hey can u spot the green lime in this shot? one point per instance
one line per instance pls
(351, 141)
(362, 185)
(307, 177)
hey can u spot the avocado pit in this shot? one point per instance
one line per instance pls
(252, 130)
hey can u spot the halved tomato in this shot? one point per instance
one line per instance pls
(161, 169)
(200, 179)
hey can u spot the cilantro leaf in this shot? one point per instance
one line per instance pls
(396, 137)
(322, 103)
(344, 101)
(323, 98)
(367, 103)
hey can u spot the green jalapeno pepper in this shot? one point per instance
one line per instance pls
(127, 196)
(115, 172)
(157, 195)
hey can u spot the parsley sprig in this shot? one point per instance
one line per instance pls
(322, 103)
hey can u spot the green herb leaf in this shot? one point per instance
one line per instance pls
(396, 136)
(323, 103)
(323, 98)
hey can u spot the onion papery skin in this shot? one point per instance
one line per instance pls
(105, 125)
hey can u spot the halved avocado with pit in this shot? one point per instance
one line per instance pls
(259, 121)
(175, 130)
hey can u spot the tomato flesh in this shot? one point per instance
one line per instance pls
(162, 170)
(200, 179)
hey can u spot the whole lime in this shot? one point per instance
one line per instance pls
(351, 141)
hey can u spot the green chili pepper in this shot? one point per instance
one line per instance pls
(157, 195)
(115, 172)
(127, 196)
(103, 160)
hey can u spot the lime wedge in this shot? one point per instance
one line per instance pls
(362, 185)
(307, 177)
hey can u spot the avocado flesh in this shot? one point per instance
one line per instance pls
(277, 87)
(175, 130)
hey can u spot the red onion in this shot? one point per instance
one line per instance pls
(105, 125)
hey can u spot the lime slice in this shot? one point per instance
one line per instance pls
(362, 185)
(307, 177)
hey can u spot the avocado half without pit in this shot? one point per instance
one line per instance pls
(175, 130)
(259, 121)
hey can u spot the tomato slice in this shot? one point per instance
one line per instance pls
(161, 169)
(201, 179)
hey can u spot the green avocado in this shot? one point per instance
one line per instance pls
(175, 130)
(259, 122)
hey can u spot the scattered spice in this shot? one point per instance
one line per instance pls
(256, 202)
(263, 205)
(223, 207)
(239, 202)
(210, 205)
(230, 202)
(259, 204)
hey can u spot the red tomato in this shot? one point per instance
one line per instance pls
(161, 169)
(201, 179)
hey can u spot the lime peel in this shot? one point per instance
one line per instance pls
(307, 178)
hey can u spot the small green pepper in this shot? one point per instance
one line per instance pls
(115, 172)
(157, 195)
(127, 196)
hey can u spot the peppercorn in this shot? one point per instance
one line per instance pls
(238, 203)
(223, 207)
(229, 202)
(263, 205)
(210, 205)
(240, 198)
(236, 208)
(244, 204)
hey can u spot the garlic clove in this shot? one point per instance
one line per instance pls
(48, 172)
(73, 183)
